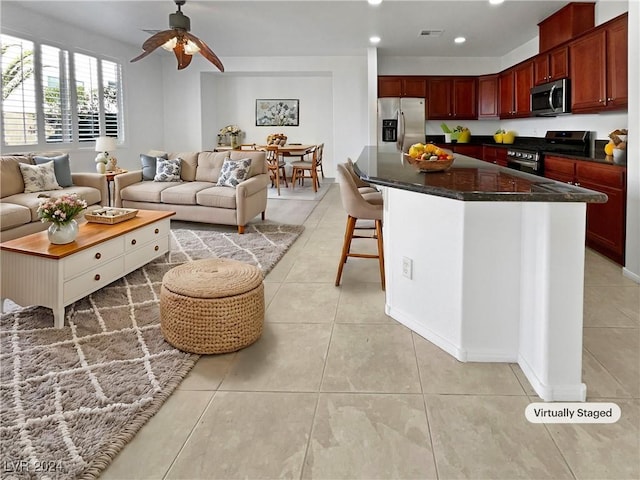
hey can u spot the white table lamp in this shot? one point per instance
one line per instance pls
(104, 145)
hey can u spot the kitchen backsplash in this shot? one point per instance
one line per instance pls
(600, 125)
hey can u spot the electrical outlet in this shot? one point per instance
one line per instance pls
(407, 267)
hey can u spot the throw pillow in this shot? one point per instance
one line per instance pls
(167, 170)
(149, 165)
(234, 172)
(38, 178)
(61, 168)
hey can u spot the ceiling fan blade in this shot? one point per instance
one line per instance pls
(184, 59)
(160, 38)
(142, 55)
(205, 51)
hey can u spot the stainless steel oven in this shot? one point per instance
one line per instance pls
(528, 161)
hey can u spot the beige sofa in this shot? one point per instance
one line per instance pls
(19, 210)
(197, 198)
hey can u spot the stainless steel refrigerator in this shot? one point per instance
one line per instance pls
(401, 120)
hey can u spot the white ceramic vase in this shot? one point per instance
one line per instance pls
(61, 234)
(101, 167)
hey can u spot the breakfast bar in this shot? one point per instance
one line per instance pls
(487, 263)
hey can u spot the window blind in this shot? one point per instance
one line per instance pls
(87, 97)
(19, 110)
(55, 94)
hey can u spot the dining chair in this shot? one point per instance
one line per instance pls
(358, 208)
(276, 165)
(319, 159)
(302, 167)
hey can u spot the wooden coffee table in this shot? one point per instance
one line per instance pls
(36, 272)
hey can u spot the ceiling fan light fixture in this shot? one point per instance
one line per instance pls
(169, 45)
(180, 41)
(190, 48)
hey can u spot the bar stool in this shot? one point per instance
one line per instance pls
(358, 209)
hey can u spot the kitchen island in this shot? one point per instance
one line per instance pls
(487, 263)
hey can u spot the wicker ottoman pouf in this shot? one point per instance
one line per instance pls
(212, 306)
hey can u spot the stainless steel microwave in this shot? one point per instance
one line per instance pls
(551, 99)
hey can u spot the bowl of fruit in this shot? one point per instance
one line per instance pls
(429, 158)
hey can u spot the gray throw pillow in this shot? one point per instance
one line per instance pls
(39, 178)
(234, 172)
(149, 166)
(61, 168)
(167, 170)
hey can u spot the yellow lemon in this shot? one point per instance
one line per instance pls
(608, 148)
(416, 150)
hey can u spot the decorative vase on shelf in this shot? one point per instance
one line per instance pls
(62, 233)
(234, 141)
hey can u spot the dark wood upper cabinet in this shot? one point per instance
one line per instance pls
(551, 66)
(515, 91)
(407, 86)
(414, 87)
(488, 96)
(599, 68)
(617, 48)
(565, 24)
(452, 98)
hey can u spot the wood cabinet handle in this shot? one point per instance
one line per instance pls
(97, 277)
(156, 248)
(157, 230)
(98, 256)
(133, 242)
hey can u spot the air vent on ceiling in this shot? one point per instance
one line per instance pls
(431, 33)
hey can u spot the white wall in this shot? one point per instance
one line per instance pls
(143, 85)
(332, 93)
(233, 99)
(632, 263)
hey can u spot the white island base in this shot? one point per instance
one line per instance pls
(492, 282)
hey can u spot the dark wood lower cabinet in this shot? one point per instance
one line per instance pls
(497, 155)
(606, 222)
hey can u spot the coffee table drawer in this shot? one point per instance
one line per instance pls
(92, 258)
(147, 234)
(146, 253)
(91, 281)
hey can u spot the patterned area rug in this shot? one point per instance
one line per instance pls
(71, 398)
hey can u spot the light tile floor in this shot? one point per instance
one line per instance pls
(336, 389)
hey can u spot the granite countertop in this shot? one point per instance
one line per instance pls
(468, 179)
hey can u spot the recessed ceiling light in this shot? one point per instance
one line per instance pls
(374, 39)
(374, 2)
(495, 2)
(459, 39)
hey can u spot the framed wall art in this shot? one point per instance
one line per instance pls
(270, 113)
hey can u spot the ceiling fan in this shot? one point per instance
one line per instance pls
(178, 39)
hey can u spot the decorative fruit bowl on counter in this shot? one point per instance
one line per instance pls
(429, 165)
(429, 158)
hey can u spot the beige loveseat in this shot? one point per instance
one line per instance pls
(197, 198)
(19, 210)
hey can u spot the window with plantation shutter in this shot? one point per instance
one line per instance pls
(112, 97)
(55, 95)
(87, 97)
(19, 109)
(52, 95)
